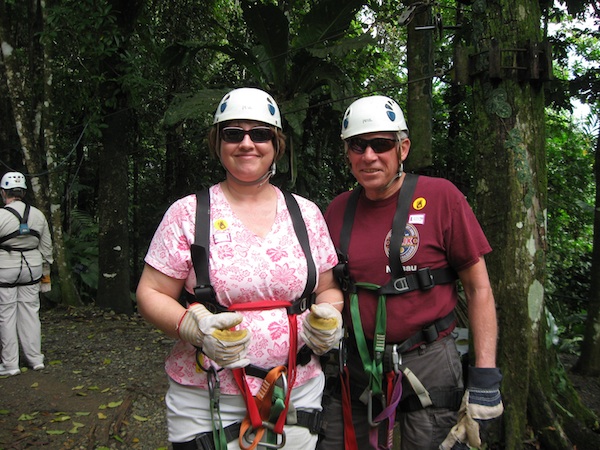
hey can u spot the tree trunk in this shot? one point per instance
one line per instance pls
(118, 142)
(113, 201)
(419, 105)
(68, 292)
(589, 360)
(31, 104)
(511, 200)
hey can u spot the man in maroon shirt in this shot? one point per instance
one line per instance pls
(406, 239)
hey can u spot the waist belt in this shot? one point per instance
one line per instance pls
(450, 399)
(297, 307)
(423, 279)
(307, 419)
(426, 335)
(24, 283)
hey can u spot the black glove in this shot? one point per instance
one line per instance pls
(481, 402)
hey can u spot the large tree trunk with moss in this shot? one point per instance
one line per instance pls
(419, 104)
(511, 203)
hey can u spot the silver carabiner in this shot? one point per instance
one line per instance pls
(284, 381)
(370, 410)
(342, 355)
(214, 385)
(269, 426)
(396, 359)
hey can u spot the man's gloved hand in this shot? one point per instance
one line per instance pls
(322, 328)
(212, 333)
(481, 402)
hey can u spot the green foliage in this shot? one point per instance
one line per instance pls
(571, 192)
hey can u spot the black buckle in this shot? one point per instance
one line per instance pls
(314, 421)
(401, 285)
(301, 305)
(430, 333)
(425, 278)
(204, 292)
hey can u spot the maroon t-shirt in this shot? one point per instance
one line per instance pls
(441, 231)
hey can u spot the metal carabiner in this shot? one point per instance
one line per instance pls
(214, 385)
(396, 359)
(342, 355)
(284, 382)
(269, 426)
(370, 410)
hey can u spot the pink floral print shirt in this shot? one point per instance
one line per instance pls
(243, 268)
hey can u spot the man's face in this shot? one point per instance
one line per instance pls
(375, 159)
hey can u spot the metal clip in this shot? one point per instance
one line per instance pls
(342, 355)
(268, 426)
(401, 284)
(284, 383)
(214, 386)
(370, 410)
(396, 359)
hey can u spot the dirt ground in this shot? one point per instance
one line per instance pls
(104, 385)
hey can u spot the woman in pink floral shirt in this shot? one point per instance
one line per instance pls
(254, 257)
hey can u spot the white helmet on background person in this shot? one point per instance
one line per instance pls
(248, 104)
(13, 180)
(372, 114)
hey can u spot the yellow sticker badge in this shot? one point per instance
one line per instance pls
(221, 224)
(419, 203)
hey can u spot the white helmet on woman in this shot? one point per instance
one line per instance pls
(372, 114)
(13, 180)
(248, 104)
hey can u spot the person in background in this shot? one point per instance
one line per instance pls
(404, 253)
(25, 253)
(257, 267)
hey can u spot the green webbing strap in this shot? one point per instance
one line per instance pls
(277, 406)
(214, 388)
(374, 367)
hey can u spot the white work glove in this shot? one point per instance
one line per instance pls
(212, 333)
(322, 329)
(481, 402)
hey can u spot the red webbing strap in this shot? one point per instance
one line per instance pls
(349, 433)
(255, 418)
(262, 305)
(292, 319)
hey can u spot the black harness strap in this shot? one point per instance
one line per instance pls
(204, 292)
(24, 229)
(399, 283)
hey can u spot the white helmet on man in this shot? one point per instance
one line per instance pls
(13, 180)
(372, 114)
(248, 104)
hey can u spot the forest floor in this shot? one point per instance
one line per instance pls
(104, 384)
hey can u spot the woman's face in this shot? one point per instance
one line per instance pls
(246, 149)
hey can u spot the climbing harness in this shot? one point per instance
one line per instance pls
(399, 283)
(23, 230)
(267, 411)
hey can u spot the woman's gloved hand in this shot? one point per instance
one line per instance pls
(212, 333)
(322, 329)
